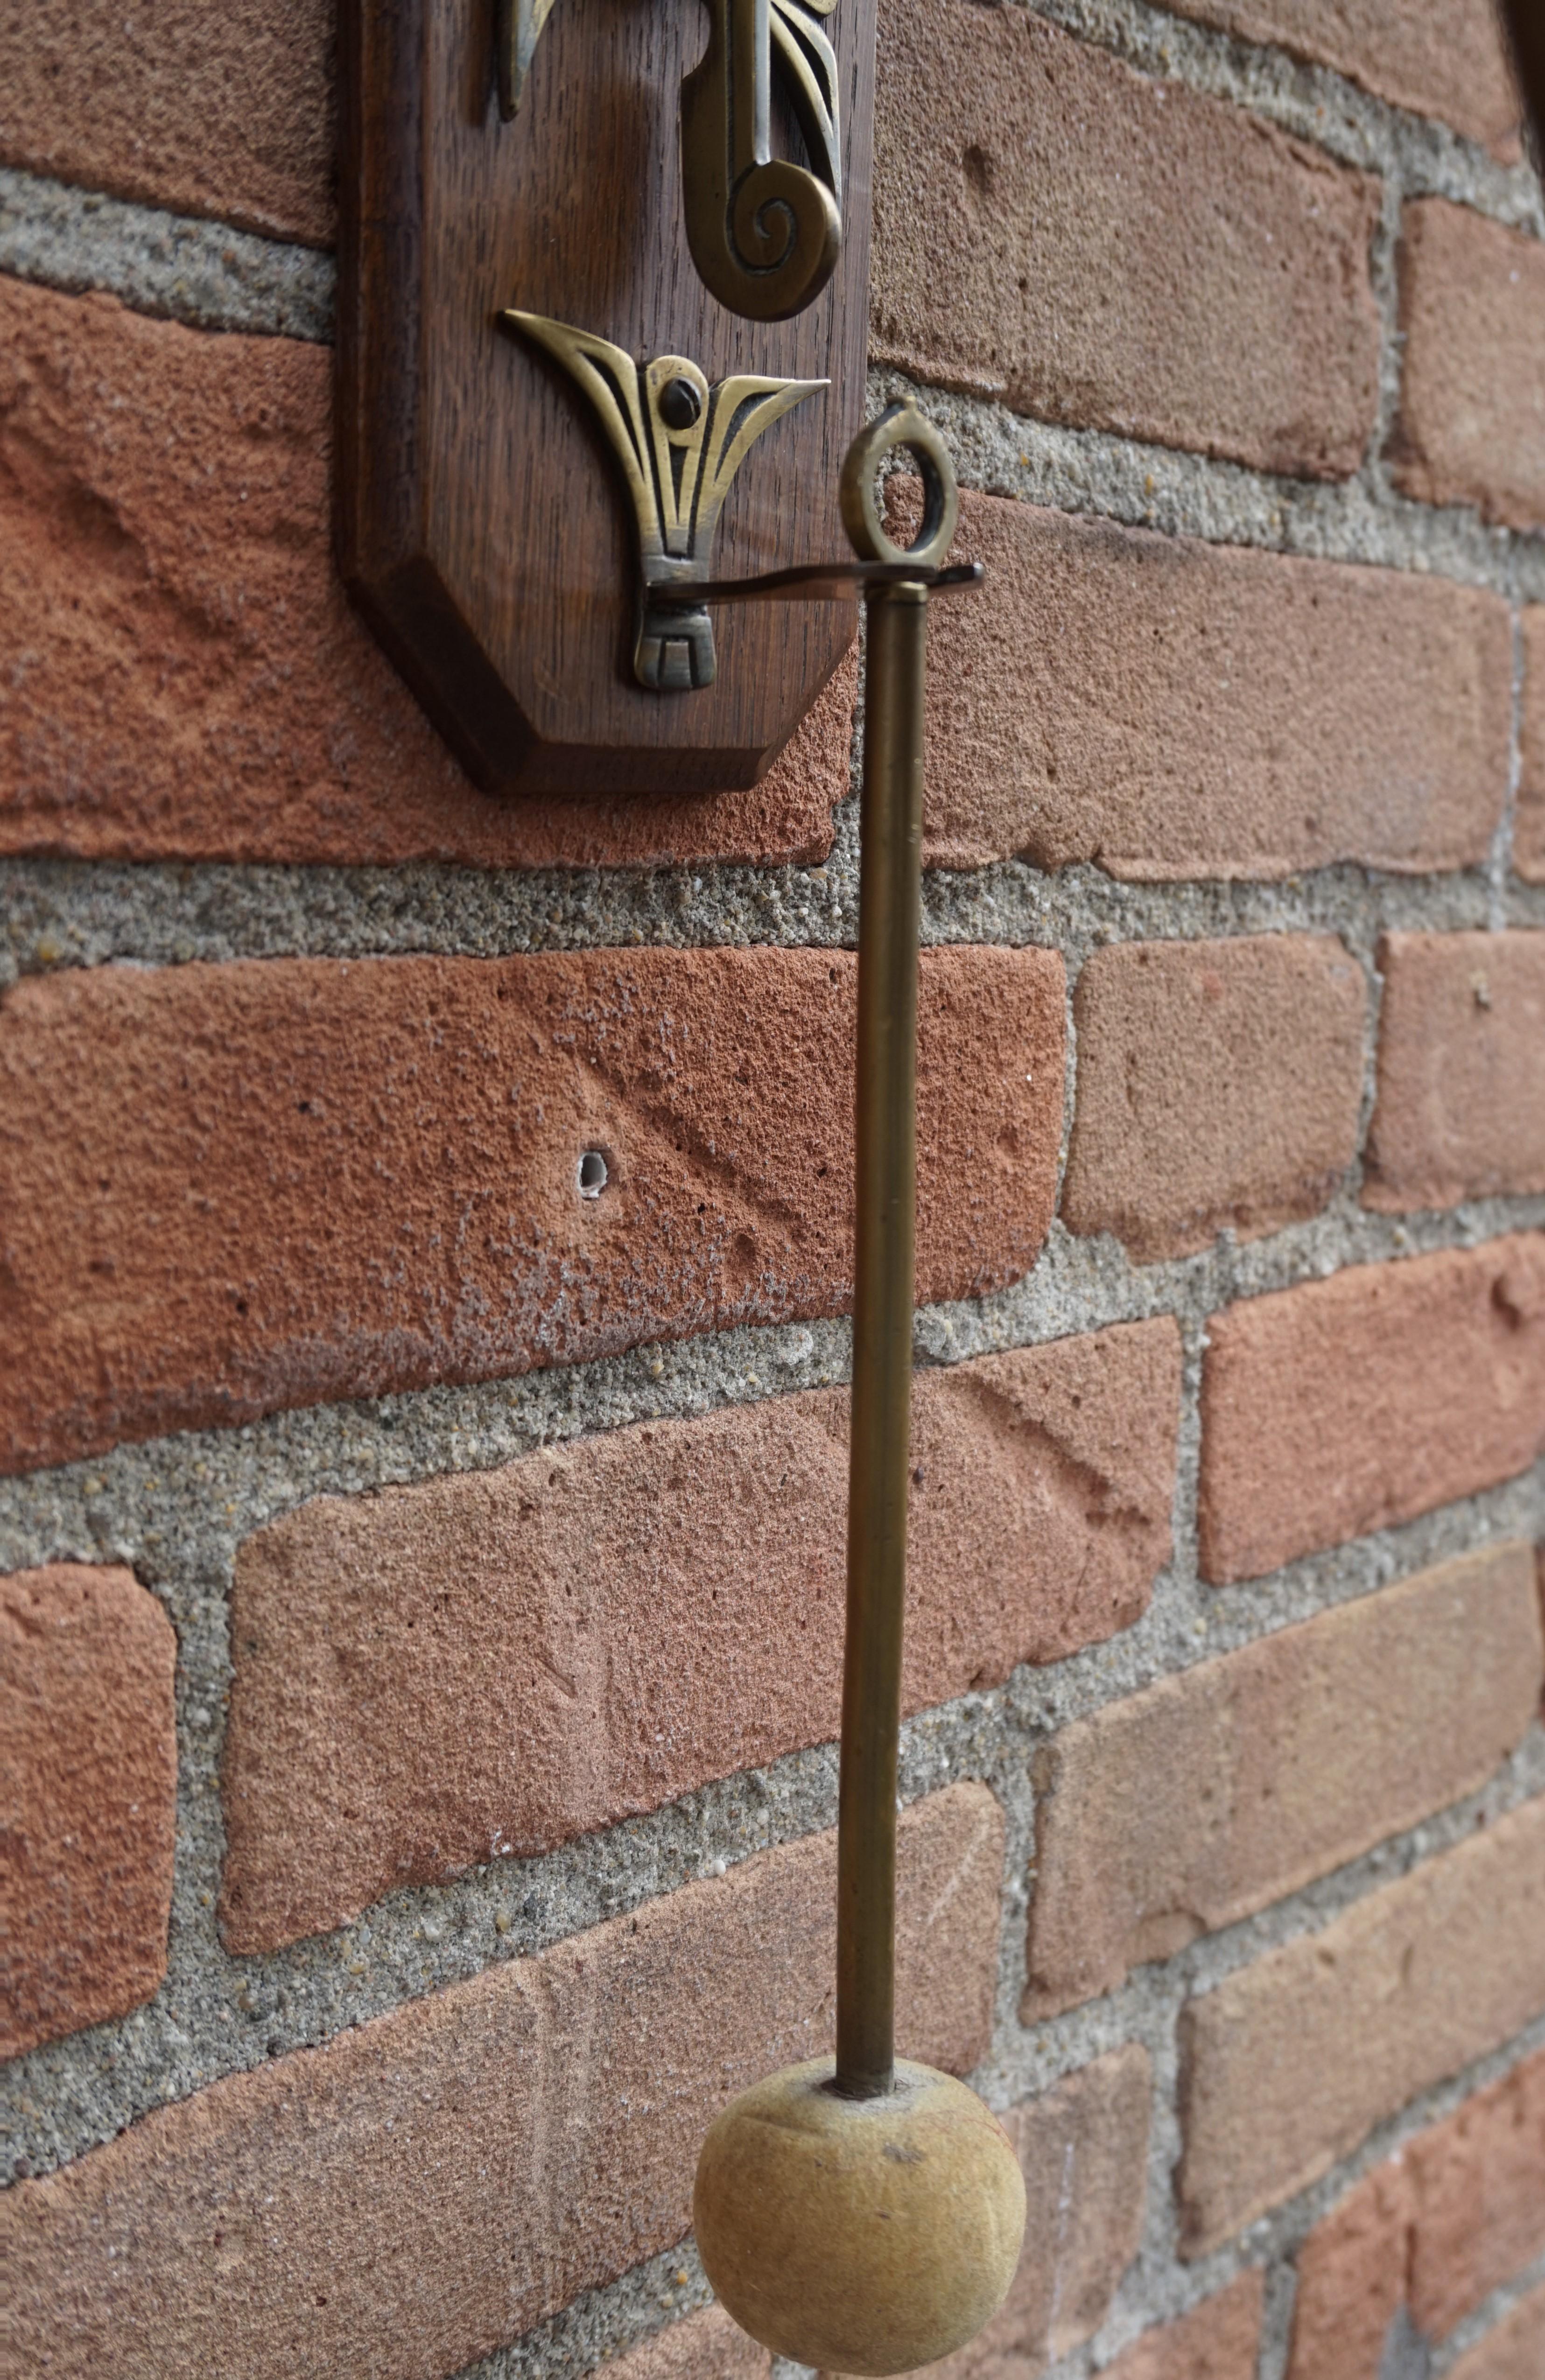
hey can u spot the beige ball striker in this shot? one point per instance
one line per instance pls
(861, 2214)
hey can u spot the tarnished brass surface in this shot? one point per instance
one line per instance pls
(900, 429)
(816, 582)
(885, 1204)
(679, 442)
(765, 234)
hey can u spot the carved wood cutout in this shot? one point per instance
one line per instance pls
(485, 523)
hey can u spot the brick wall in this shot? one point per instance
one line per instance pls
(421, 1587)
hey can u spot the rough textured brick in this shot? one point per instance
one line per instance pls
(707, 2346)
(300, 1180)
(1461, 1106)
(1479, 2185)
(1528, 834)
(435, 2182)
(1513, 2350)
(1219, 1083)
(1348, 1405)
(1448, 61)
(1218, 2340)
(1471, 427)
(185, 676)
(89, 1760)
(1457, 2215)
(1209, 1794)
(1352, 2281)
(210, 111)
(1171, 708)
(511, 1658)
(1083, 2150)
(1288, 2064)
(1091, 247)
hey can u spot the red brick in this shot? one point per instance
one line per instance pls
(1471, 427)
(431, 2184)
(1348, 1405)
(707, 2346)
(1461, 1108)
(187, 679)
(507, 1658)
(88, 1756)
(1091, 247)
(1457, 2215)
(1513, 2350)
(298, 1180)
(1351, 2272)
(1218, 2340)
(1291, 2062)
(1171, 708)
(1083, 2151)
(1448, 61)
(210, 111)
(1219, 1083)
(1528, 834)
(1479, 2183)
(1211, 1793)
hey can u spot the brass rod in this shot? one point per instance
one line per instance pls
(885, 1121)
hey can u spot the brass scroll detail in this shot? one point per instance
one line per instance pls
(764, 233)
(679, 442)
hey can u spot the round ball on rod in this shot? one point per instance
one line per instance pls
(865, 2236)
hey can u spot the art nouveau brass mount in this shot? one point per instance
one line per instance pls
(679, 443)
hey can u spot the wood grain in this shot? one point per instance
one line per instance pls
(481, 524)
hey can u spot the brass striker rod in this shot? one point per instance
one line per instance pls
(890, 894)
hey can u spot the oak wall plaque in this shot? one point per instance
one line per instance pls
(536, 378)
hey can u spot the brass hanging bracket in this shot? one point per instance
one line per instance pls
(679, 443)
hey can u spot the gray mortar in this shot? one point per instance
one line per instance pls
(203, 273)
(1179, 495)
(1406, 2354)
(1470, 2332)
(60, 913)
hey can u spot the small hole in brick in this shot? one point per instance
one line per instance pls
(593, 1173)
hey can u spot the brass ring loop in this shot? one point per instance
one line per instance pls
(900, 425)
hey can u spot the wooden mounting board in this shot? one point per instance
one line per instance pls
(482, 525)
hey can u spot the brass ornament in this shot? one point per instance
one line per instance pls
(679, 442)
(764, 233)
